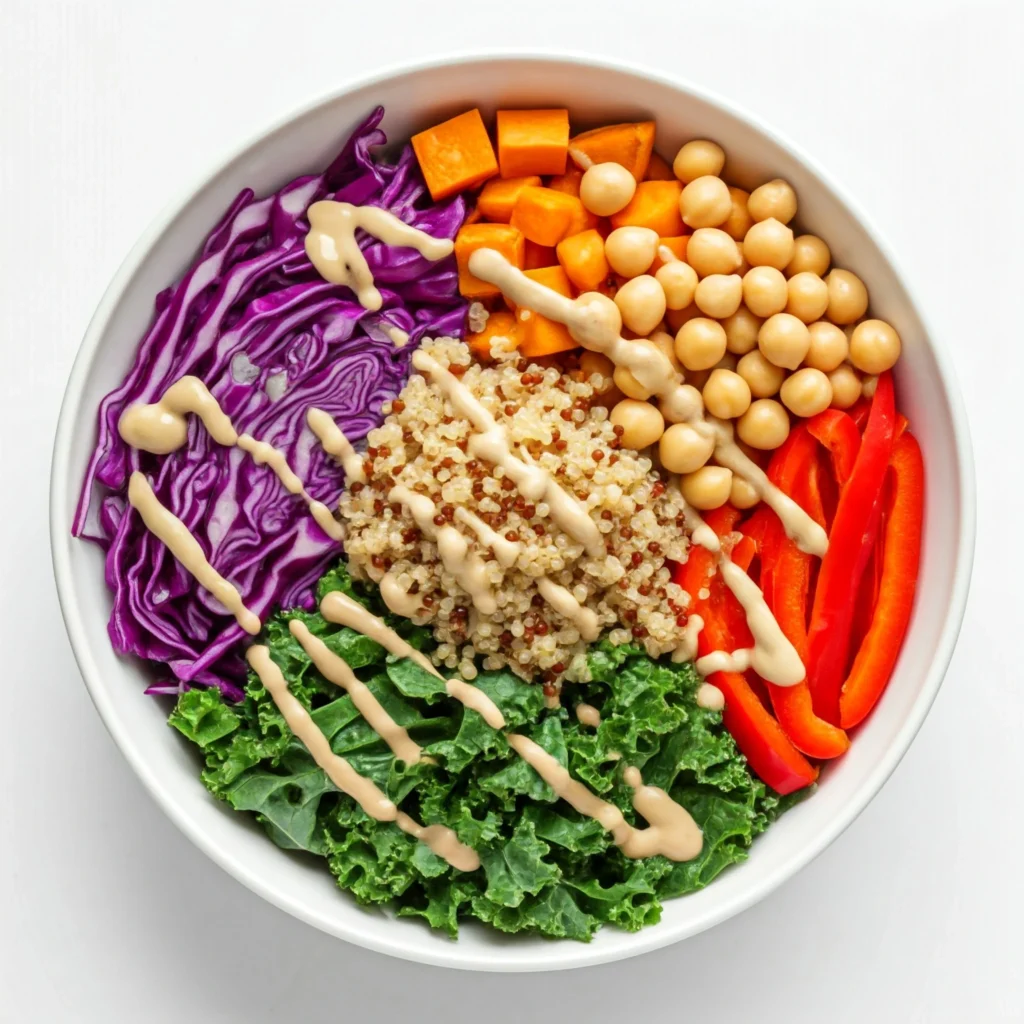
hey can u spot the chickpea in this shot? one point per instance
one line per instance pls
(810, 255)
(769, 243)
(806, 392)
(874, 346)
(641, 302)
(806, 296)
(764, 291)
(594, 364)
(707, 488)
(641, 423)
(629, 385)
(630, 251)
(828, 346)
(763, 378)
(700, 343)
(606, 188)
(869, 386)
(741, 331)
(846, 386)
(784, 340)
(742, 495)
(675, 318)
(774, 198)
(666, 344)
(681, 404)
(738, 223)
(719, 295)
(679, 281)
(705, 202)
(712, 251)
(726, 394)
(683, 449)
(698, 158)
(764, 425)
(727, 362)
(847, 297)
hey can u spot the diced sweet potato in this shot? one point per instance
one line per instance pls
(504, 238)
(583, 260)
(538, 256)
(499, 325)
(538, 335)
(628, 144)
(499, 195)
(455, 154)
(655, 205)
(659, 169)
(532, 141)
(568, 182)
(546, 217)
(676, 244)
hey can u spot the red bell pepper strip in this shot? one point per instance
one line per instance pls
(830, 633)
(839, 434)
(793, 470)
(759, 737)
(874, 662)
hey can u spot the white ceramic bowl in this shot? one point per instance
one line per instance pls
(595, 91)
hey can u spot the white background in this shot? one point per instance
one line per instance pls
(106, 912)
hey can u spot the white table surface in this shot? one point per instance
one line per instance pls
(107, 913)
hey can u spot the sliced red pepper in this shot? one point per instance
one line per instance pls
(839, 434)
(874, 662)
(830, 633)
(759, 737)
(794, 471)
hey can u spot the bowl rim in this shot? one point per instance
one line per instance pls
(458, 955)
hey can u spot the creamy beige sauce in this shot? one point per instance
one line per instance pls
(397, 336)
(161, 428)
(469, 570)
(588, 715)
(333, 249)
(491, 443)
(590, 323)
(399, 601)
(687, 649)
(334, 442)
(672, 832)
(584, 619)
(340, 608)
(711, 697)
(725, 661)
(441, 840)
(337, 671)
(168, 528)
(505, 551)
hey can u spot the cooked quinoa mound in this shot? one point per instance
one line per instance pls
(424, 446)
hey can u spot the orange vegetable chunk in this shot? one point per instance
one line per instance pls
(583, 260)
(499, 195)
(676, 244)
(538, 256)
(659, 169)
(546, 217)
(505, 239)
(628, 144)
(455, 154)
(532, 141)
(539, 335)
(655, 205)
(499, 325)
(568, 182)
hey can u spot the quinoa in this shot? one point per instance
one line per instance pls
(554, 418)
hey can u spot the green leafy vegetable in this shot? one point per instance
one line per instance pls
(544, 867)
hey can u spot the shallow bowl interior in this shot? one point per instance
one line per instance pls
(595, 92)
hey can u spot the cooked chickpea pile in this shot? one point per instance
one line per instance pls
(763, 327)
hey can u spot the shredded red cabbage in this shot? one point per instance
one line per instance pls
(270, 338)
